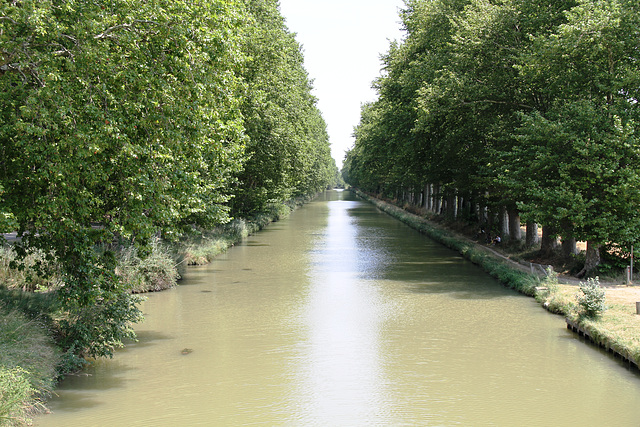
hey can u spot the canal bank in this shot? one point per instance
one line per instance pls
(617, 330)
(342, 315)
(31, 363)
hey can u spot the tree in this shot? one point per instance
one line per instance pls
(579, 157)
(118, 120)
(288, 147)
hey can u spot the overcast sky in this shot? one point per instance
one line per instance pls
(342, 42)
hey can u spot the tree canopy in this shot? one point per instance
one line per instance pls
(124, 120)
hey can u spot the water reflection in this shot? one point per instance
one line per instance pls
(343, 316)
(343, 373)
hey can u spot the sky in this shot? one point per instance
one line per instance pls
(342, 41)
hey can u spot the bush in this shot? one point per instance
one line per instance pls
(592, 300)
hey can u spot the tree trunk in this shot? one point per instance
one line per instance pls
(427, 197)
(503, 224)
(532, 234)
(592, 261)
(437, 203)
(515, 234)
(452, 206)
(569, 247)
(483, 216)
(461, 211)
(549, 240)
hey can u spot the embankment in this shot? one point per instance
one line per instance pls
(30, 362)
(617, 330)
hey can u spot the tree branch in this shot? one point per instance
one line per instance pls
(127, 27)
(8, 19)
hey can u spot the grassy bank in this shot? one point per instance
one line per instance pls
(30, 363)
(202, 247)
(28, 366)
(616, 329)
(497, 267)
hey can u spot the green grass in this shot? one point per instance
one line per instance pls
(28, 362)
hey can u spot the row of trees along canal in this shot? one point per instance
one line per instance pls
(502, 110)
(146, 118)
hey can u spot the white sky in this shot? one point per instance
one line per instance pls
(342, 41)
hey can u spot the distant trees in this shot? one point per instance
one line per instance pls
(505, 109)
(122, 120)
(287, 152)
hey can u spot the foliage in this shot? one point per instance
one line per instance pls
(288, 148)
(592, 300)
(27, 278)
(118, 119)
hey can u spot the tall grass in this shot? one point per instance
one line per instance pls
(28, 362)
(156, 272)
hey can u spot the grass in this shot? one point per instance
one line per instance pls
(157, 272)
(28, 363)
(616, 329)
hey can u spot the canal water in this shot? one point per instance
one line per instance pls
(342, 316)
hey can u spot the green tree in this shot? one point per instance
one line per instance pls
(579, 157)
(118, 120)
(288, 148)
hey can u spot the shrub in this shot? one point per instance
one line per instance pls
(592, 300)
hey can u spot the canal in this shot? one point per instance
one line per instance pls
(343, 316)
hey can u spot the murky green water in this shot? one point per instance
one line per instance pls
(342, 316)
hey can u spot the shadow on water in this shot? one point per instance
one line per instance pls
(93, 379)
(145, 339)
(569, 336)
(254, 243)
(80, 402)
(461, 290)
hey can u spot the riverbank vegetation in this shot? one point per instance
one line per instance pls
(130, 134)
(491, 115)
(28, 366)
(607, 314)
(502, 112)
